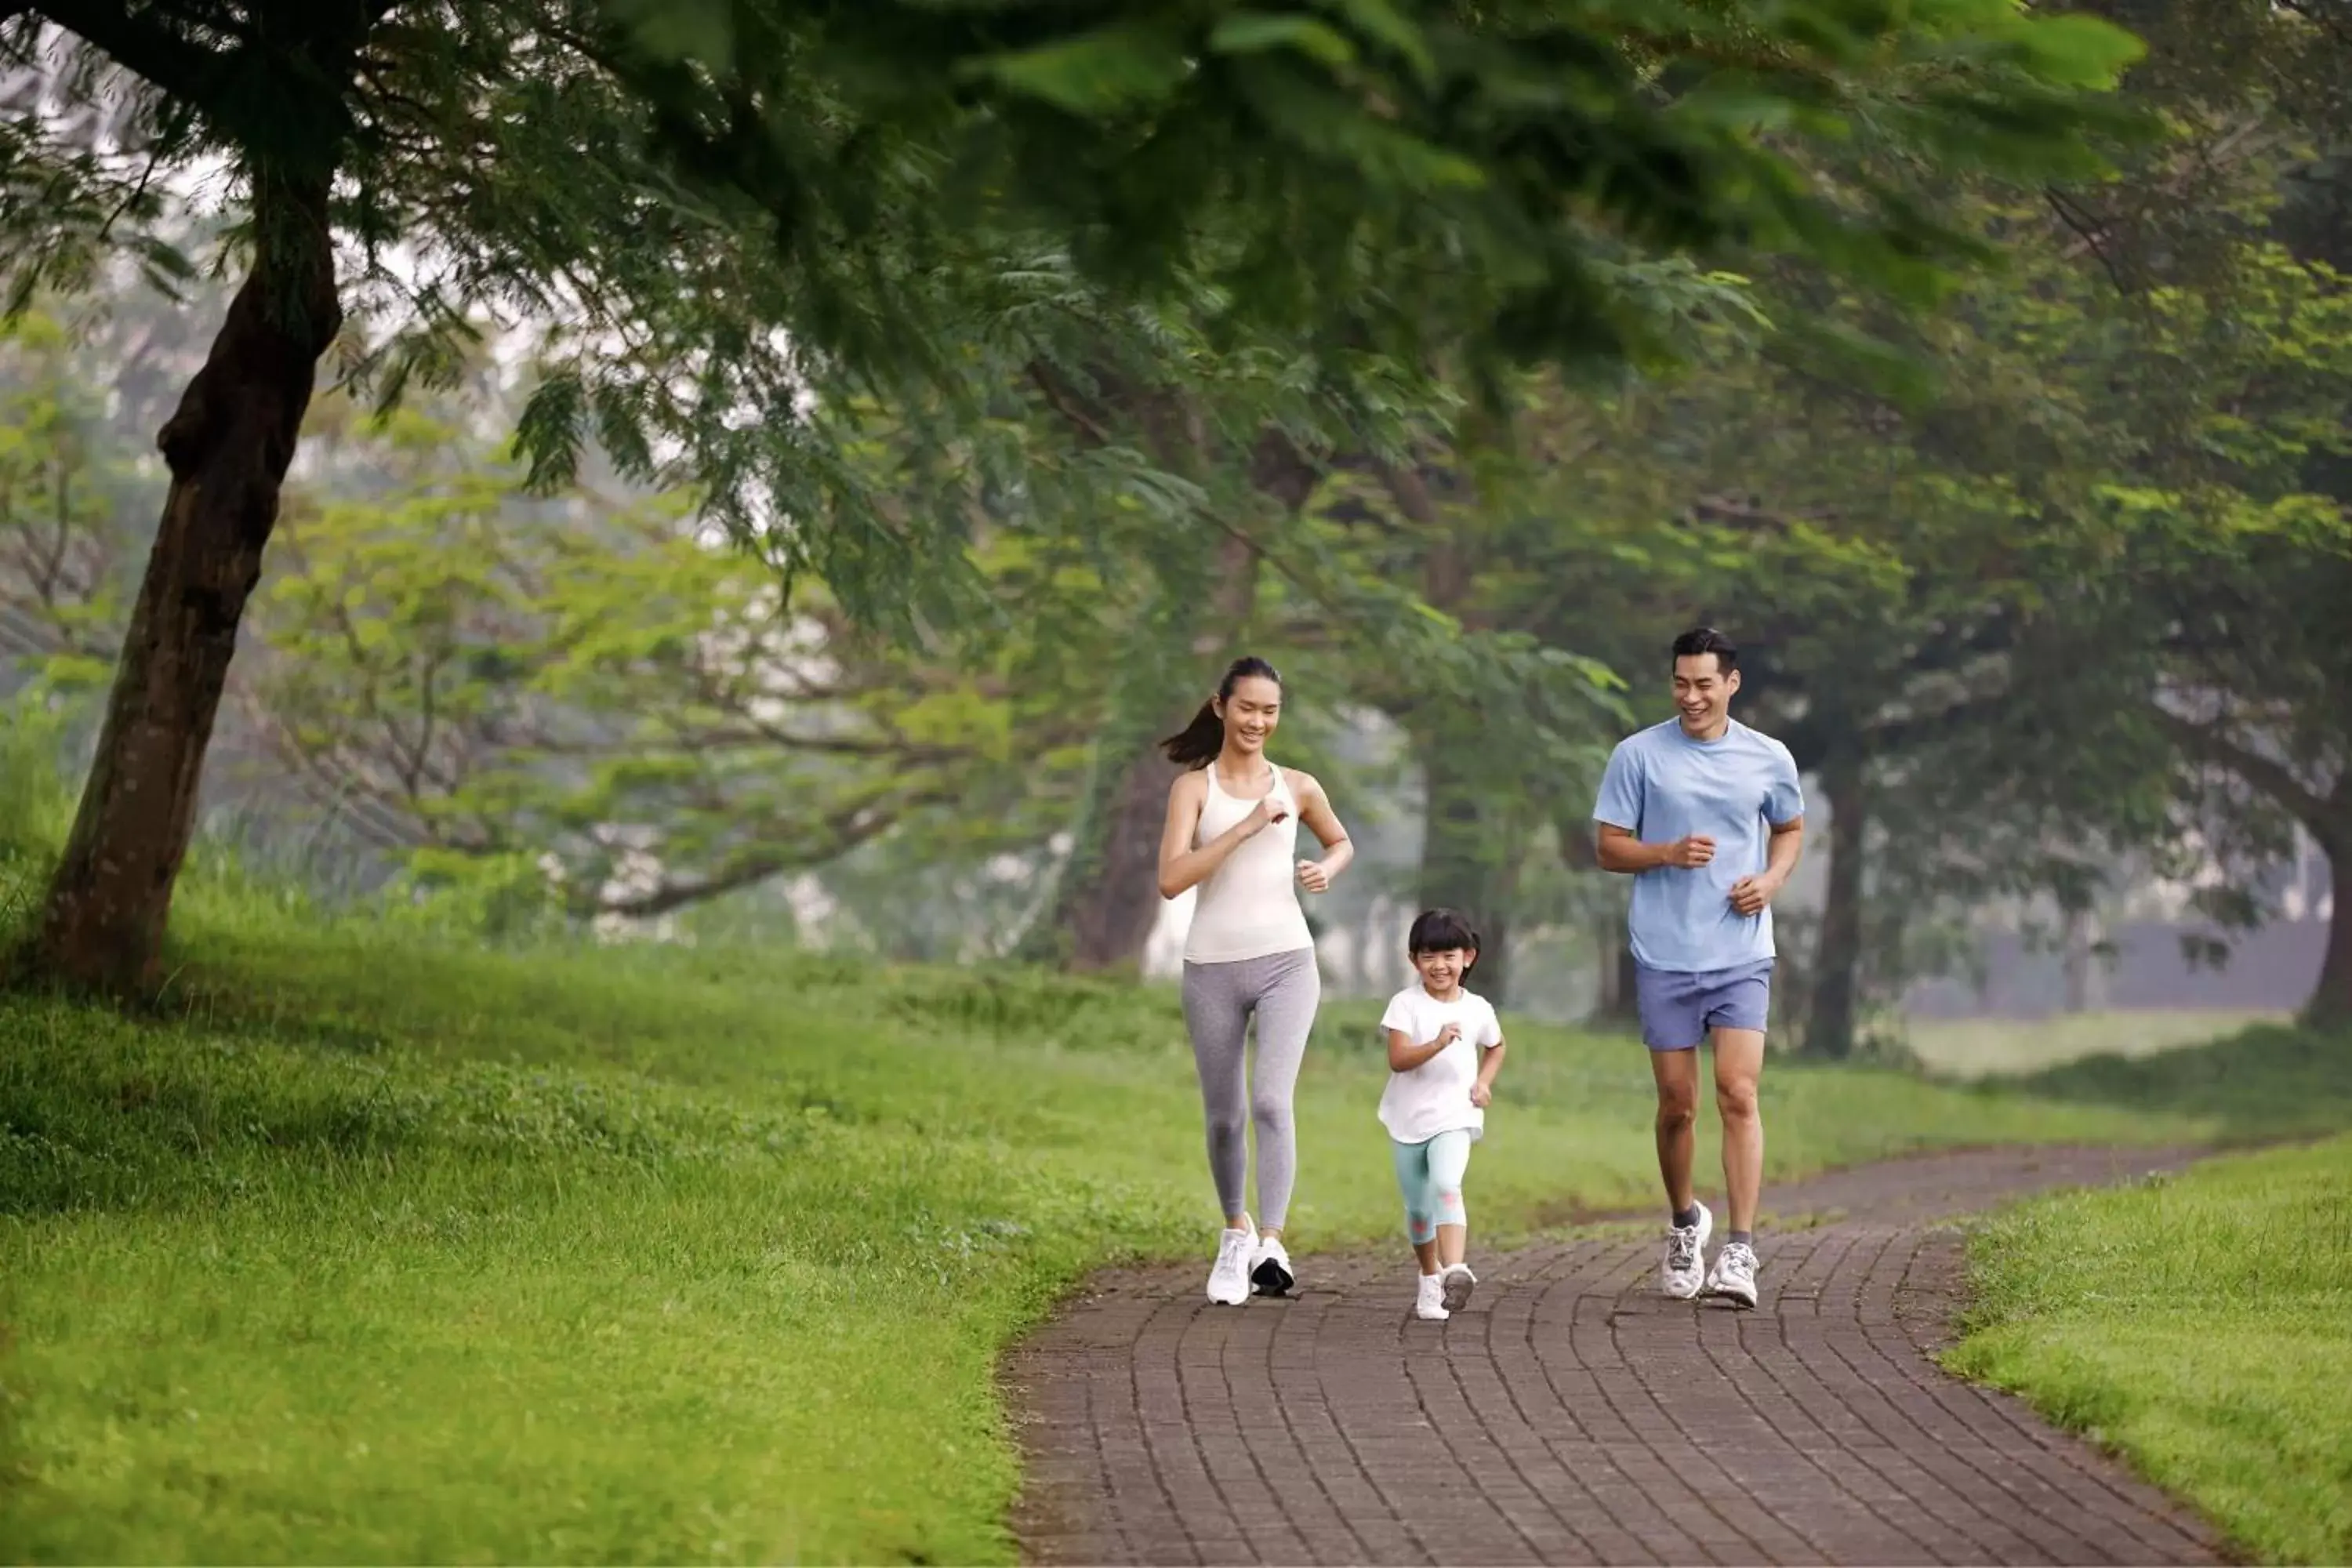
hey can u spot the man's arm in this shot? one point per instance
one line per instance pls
(1750, 894)
(1618, 813)
(1617, 850)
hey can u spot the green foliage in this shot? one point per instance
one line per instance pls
(469, 671)
(1371, 178)
(1938, 598)
(33, 805)
(1416, 174)
(2197, 1325)
(67, 481)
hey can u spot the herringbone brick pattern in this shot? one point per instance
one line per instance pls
(1573, 1415)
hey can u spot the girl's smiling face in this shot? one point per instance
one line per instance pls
(1441, 969)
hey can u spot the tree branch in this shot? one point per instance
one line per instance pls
(1065, 403)
(162, 57)
(841, 833)
(2274, 779)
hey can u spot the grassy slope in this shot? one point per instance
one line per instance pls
(373, 1251)
(1975, 1048)
(2202, 1326)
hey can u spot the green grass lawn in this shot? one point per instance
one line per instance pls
(2202, 1327)
(366, 1250)
(1984, 1047)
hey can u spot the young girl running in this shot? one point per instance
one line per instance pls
(1445, 1045)
(1233, 832)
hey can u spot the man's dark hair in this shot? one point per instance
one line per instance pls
(1706, 639)
(1440, 930)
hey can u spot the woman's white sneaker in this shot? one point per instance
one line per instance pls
(1270, 1271)
(1454, 1285)
(1431, 1305)
(1229, 1280)
(1683, 1267)
(1734, 1276)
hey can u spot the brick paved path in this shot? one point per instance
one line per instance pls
(1572, 1414)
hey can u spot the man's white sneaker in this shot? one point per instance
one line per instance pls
(1431, 1305)
(1270, 1271)
(1734, 1276)
(1453, 1286)
(1685, 1264)
(1229, 1280)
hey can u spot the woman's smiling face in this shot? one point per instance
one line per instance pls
(1251, 713)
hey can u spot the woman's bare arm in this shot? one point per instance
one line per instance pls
(1338, 849)
(1182, 866)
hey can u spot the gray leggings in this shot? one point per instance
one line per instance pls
(1282, 989)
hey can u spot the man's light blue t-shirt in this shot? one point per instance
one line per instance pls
(1663, 785)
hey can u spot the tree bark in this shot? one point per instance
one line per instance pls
(1613, 947)
(1620, 1001)
(2330, 1006)
(1113, 903)
(1107, 900)
(1466, 862)
(227, 448)
(1831, 1016)
(2078, 960)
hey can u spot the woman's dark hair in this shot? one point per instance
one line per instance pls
(1196, 745)
(1440, 931)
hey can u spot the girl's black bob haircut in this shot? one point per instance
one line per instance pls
(1440, 931)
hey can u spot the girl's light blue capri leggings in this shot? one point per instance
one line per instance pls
(1430, 1176)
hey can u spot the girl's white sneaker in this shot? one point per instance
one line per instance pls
(1431, 1305)
(1270, 1271)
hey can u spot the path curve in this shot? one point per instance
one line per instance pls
(1572, 1414)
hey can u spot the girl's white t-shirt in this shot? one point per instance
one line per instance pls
(1434, 1096)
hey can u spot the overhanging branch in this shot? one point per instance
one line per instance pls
(153, 53)
(840, 833)
(2272, 778)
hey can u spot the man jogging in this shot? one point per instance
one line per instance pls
(1707, 817)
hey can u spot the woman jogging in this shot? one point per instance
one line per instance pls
(1233, 832)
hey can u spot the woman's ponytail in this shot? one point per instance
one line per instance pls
(1196, 745)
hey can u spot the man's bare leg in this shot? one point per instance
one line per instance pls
(1677, 1078)
(1738, 1063)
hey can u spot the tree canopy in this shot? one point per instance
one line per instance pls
(734, 223)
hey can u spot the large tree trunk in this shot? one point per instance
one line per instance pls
(1467, 858)
(227, 448)
(2331, 1000)
(1107, 899)
(1614, 977)
(1110, 899)
(1833, 1007)
(1469, 848)
(2078, 961)
(1620, 1001)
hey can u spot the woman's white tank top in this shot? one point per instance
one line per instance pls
(1248, 907)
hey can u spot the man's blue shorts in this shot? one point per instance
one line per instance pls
(1679, 1008)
